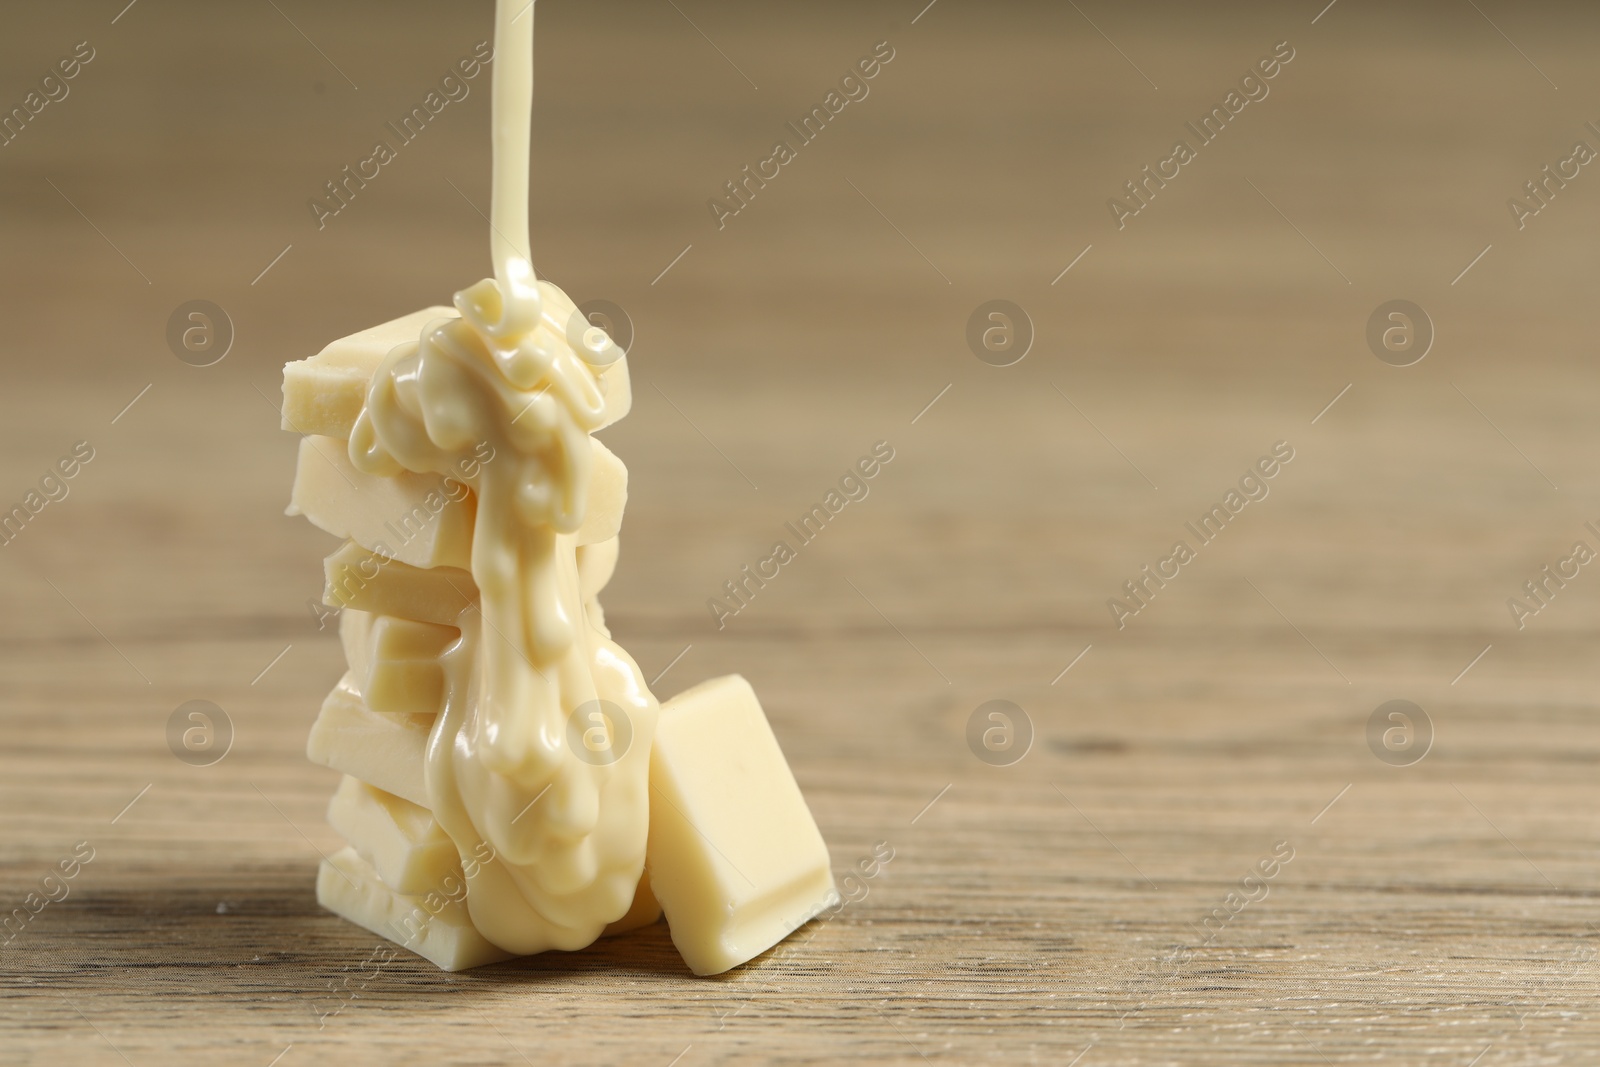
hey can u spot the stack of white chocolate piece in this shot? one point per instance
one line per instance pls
(733, 857)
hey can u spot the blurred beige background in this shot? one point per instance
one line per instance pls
(1034, 911)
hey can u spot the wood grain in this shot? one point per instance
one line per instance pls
(1431, 913)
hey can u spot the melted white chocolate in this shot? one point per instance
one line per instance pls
(568, 833)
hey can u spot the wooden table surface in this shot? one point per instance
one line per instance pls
(1062, 906)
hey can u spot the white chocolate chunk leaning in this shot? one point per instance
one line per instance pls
(421, 519)
(734, 856)
(324, 394)
(434, 925)
(401, 841)
(382, 750)
(357, 578)
(402, 674)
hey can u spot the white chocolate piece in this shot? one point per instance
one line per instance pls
(734, 856)
(608, 495)
(402, 674)
(421, 519)
(355, 627)
(324, 394)
(433, 925)
(404, 686)
(357, 578)
(644, 911)
(401, 841)
(383, 750)
(596, 564)
(394, 663)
